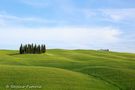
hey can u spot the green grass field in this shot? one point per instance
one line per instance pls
(67, 70)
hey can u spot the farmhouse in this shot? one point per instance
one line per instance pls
(104, 50)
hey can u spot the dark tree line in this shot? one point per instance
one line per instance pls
(32, 49)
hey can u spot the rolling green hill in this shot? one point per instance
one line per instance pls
(67, 70)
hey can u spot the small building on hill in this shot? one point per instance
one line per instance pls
(104, 50)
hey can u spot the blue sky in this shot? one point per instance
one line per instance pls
(68, 24)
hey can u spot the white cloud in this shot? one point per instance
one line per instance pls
(119, 14)
(9, 20)
(68, 37)
(88, 13)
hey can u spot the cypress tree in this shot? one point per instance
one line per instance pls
(35, 49)
(21, 52)
(38, 49)
(30, 48)
(24, 48)
(44, 49)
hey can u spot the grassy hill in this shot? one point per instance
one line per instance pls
(68, 70)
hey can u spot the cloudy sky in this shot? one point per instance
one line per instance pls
(68, 24)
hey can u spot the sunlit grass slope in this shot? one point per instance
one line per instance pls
(50, 78)
(69, 70)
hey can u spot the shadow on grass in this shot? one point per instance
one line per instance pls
(12, 54)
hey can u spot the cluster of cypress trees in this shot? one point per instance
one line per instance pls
(32, 49)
